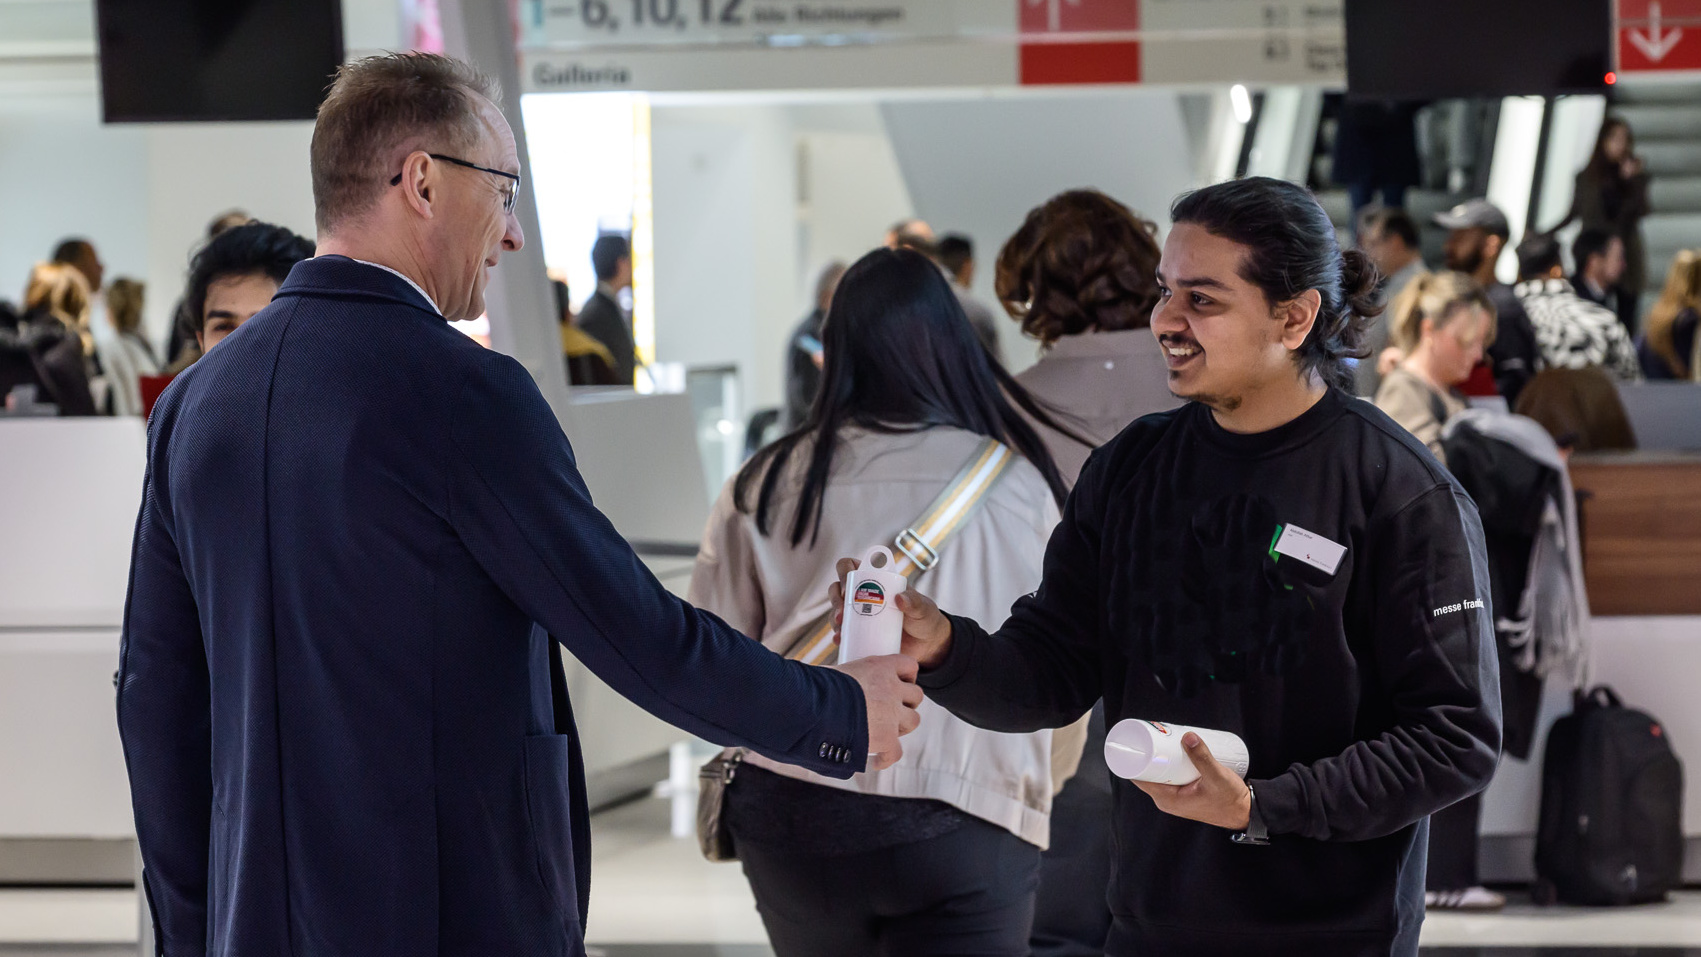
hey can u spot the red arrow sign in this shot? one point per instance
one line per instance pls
(1659, 35)
(1079, 58)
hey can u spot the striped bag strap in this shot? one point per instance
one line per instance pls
(916, 548)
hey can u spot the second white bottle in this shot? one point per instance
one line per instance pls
(1151, 751)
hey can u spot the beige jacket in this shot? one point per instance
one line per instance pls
(1410, 401)
(879, 485)
(1100, 382)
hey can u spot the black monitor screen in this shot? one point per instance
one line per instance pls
(1428, 49)
(168, 60)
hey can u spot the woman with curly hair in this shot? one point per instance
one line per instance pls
(1081, 277)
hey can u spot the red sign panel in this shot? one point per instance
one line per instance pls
(1059, 46)
(1079, 16)
(1659, 35)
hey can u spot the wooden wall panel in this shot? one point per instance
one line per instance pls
(1641, 524)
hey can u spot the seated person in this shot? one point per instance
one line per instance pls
(588, 361)
(1668, 347)
(1571, 332)
(1442, 323)
(1580, 408)
(1599, 256)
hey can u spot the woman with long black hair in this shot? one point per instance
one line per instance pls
(1612, 195)
(939, 853)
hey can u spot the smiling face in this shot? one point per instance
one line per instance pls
(1223, 340)
(232, 301)
(472, 229)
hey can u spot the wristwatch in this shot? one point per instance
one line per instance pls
(1256, 833)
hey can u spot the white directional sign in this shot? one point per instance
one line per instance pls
(815, 44)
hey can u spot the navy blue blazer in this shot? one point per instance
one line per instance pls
(340, 695)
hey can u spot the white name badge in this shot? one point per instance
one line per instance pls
(1310, 548)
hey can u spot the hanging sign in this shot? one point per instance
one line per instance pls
(666, 45)
(1659, 36)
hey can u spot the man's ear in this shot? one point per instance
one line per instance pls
(419, 179)
(1297, 316)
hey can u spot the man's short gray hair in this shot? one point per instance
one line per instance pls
(379, 109)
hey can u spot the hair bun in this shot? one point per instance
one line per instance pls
(1361, 284)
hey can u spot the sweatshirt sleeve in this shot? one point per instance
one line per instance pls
(1042, 668)
(523, 510)
(1435, 662)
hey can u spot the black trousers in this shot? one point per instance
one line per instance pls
(1071, 918)
(969, 893)
(1453, 846)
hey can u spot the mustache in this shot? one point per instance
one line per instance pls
(1171, 339)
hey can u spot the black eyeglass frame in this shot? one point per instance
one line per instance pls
(509, 197)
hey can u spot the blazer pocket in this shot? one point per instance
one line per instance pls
(548, 805)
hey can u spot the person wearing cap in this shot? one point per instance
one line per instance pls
(1477, 233)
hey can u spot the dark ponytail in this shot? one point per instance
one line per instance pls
(1291, 247)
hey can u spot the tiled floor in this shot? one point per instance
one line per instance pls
(653, 896)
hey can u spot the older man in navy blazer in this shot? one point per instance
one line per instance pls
(361, 539)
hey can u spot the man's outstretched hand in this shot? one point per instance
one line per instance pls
(927, 632)
(889, 688)
(1219, 797)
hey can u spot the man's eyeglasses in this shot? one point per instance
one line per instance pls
(510, 189)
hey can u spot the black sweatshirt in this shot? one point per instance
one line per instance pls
(1368, 698)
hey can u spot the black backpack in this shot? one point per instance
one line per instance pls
(1611, 827)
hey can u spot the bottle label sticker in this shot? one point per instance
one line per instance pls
(869, 598)
(1310, 548)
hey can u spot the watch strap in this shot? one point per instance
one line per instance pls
(1256, 832)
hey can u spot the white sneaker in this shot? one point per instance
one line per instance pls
(1471, 899)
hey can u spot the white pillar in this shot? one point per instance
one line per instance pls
(519, 301)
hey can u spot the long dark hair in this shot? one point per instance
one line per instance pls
(900, 357)
(1291, 247)
(1599, 164)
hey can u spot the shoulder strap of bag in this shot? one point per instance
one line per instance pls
(917, 547)
(1438, 407)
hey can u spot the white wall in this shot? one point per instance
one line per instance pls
(978, 165)
(143, 194)
(62, 174)
(197, 171)
(852, 192)
(754, 195)
(725, 239)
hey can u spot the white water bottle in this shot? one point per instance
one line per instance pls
(1151, 751)
(873, 624)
